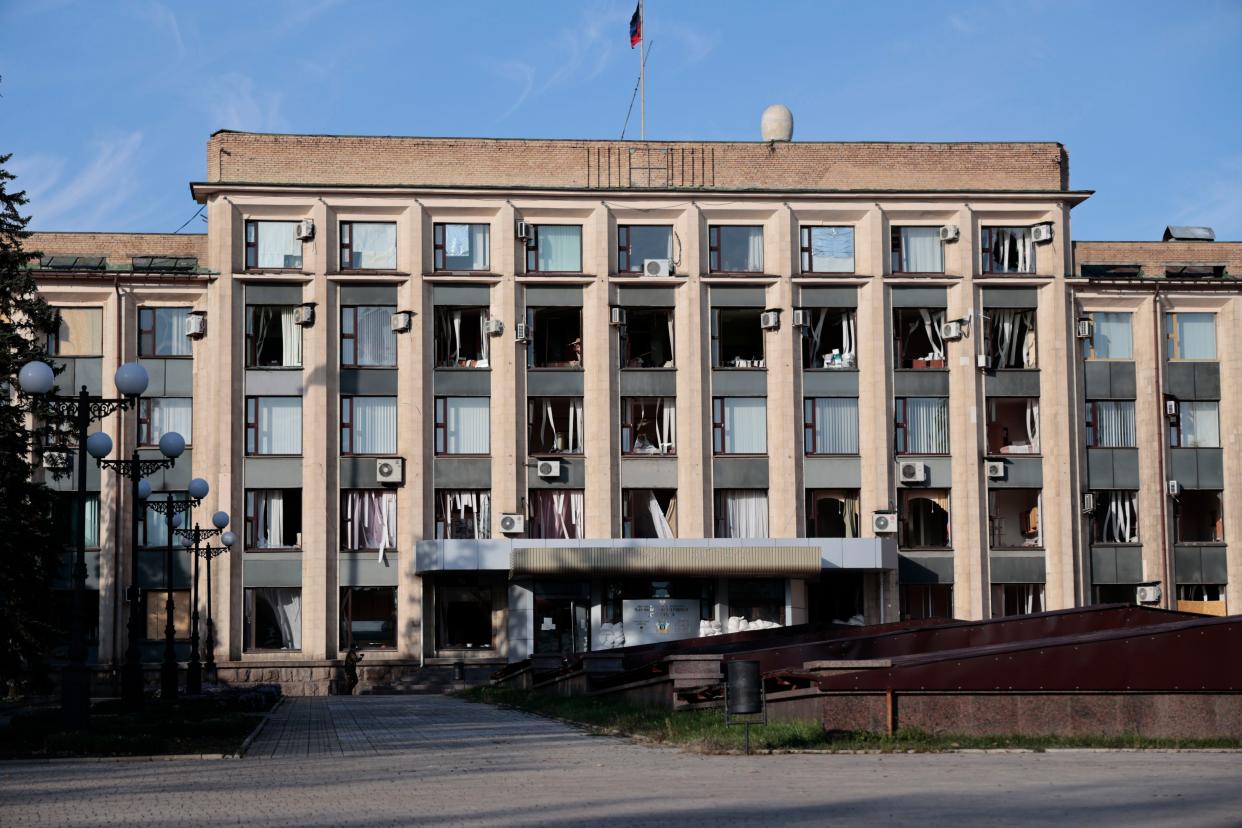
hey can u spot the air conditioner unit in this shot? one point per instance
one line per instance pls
(912, 472)
(801, 319)
(494, 327)
(306, 229)
(304, 315)
(616, 317)
(770, 320)
(389, 470)
(1088, 503)
(951, 331)
(950, 233)
(525, 230)
(401, 321)
(884, 523)
(657, 267)
(1173, 487)
(1041, 233)
(521, 333)
(1086, 329)
(1147, 594)
(548, 469)
(196, 325)
(996, 470)
(512, 523)
(1170, 407)
(983, 361)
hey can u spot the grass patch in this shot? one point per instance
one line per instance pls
(704, 731)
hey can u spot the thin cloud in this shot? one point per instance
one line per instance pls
(233, 102)
(524, 75)
(92, 196)
(162, 19)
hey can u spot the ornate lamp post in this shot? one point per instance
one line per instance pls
(37, 378)
(197, 537)
(210, 552)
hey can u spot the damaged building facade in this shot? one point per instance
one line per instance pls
(472, 400)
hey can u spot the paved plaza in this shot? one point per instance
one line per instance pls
(438, 761)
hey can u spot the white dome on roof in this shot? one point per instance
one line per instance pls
(776, 123)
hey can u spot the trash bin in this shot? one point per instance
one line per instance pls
(744, 688)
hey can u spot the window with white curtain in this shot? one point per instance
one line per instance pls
(463, 247)
(368, 520)
(463, 425)
(461, 339)
(741, 513)
(555, 425)
(463, 514)
(1190, 335)
(1197, 425)
(831, 339)
(1110, 424)
(921, 425)
(827, 249)
(555, 248)
(740, 425)
(368, 245)
(161, 332)
(1115, 518)
(158, 416)
(273, 518)
(556, 514)
(273, 618)
(273, 337)
(79, 332)
(367, 339)
(735, 248)
(830, 425)
(368, 425)
(648, 425)
(917, 250)
(1111, 337)
(273, 245)
(1008, 250)
(274, 425)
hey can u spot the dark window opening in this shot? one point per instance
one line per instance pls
(648, 425)
(832, 513)
(368, 618)
(737, 339)
(924, 601)
(273, 337)
(463, 514)
(1200, 517)
(1017, 599)
(273, 618)
(555, 425)
(924, 519)
(918, 341)
(1007, 250)
(463, 614)
(757, 599)
(555, 337)
(461, 338)
(1113, 594)
(649, 513)
(62, 612)
(556, 514)
(1013, 425)
(1009, 337)
(647, 338)
(1014, 519)
(836, 597)
(1115, 517)
(563, 617)
(830, 340)
(273, 519)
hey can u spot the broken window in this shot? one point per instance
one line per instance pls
(830, 340)
(463, 613)
(1017, 599)
(463, 514)
(461, 338)
(921, 601)
(556, 514)
(462, 247)
(1115, 517)
(1199, 516)
(917, 250)
(1013, 425)
(273, 518)
(1208, 599)
(273, 618)
(368, 520)
(369, 617)
(921, 425)
(273, 337)
(756, 599)
(1196, 424)
(924, 518)
(918, 341)
(832, 513)
(636, 243)
(1110, 424)
(648, 425)
(737, 339)
(1014, 519)
(1009, 336)
(554, 425)
(647, 338)
(827, 249)
(649, 513)
(555, 337)
(1008, 250)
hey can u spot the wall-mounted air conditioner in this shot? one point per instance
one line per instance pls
(1086, 329)
(801, 319)
(548, 469)
(521, 333)
(770, 320)
(657, 267)
(884, 523)
(304, 315)
(951, 331)
(1041, 233)
(389, 470)
(525, 230)
(616, 317)
(1173, 487)
(909, 471)
(1147, 594)
(306, 229)
(401, 321)
(1170, 408)
(494, 327)
(1088, 503)
(512, 523)
(196, 325)
(950, 233)
(996, 469)
(983, 361)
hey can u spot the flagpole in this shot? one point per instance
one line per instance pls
(642, 73)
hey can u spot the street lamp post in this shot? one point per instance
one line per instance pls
(228, 539)
(196, 537)
(37, 378)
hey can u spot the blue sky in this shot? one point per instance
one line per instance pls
(107, 106)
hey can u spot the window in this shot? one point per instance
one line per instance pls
(638, 242)
(367, 339)
(1202, 598)
(647, 338)
(924, 519)
(832, 513)
(273, 337)
(921, 425)
(740, 425)
(461, 339)
(830, 425)
(831, 339)
(1008, 250)
(368, 425)
(923, 601)
(463, 247)
(1110, 424)
(79, 332)
(159, 415)
(155, 613)
(463, 425)
(274, 425)
(556, 514)
(368, 520)
(1017, 599)
(1110, 337)
(737, 339)
(153, 531)
(273, 519)
(369, 618)
(161, 332)
(273, 618)
(1009, 338)
(463, 514)
(1199, 516)
(757, 599)
(554, 337)
(648, 513)
(555, 425)
(554, 248)
(648, 425)
(1012, 425)
(463, 613)
(273, 245)
(735, 249)
(1014, 519)
(827, 249)
(917, 250)
(1115, 517)
(741, 513)
(368, 245)
(65, 519)
(1196, 425)
(1191, 335)
(919, 345)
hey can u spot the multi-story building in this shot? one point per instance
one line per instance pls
(474, 399)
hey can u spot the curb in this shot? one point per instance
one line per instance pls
(254, 734)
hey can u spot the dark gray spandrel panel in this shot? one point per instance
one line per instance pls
(381, 295)
(174, 479)
(1099, 468)
(276, 383)
(366, 569)
(1020, 473)
(829, 383)
(828, 297)
(381, 382)
(738, 297)
(546, 296)
(554, 382)
(1123, 380)
(739, 382)
(1103, 564)
(1023, 297)
(273, 294)
(1188, 564)
(1116, 564)
(151, 564)
(648, 382)
(649, 472)
(939, 471)
(68, 481)
(462, 473)
(179, 378)
(272, 472)
(1125, 468)
(89, 372)
(930, 383)
(832, 472)
(462, 295)
(155, 376)
(1129, 565)
(573, 474)
(359, 473)
(919, 297)
(1017, 569)
(1211, 464)
(1179, 380)
(924, 569)
(740, 472)
(272, 569)
(1207, 380)
(1215, 566)
(63, 578)
(1097, 380)
(1012, 383)
(463, 382)
(646, 297)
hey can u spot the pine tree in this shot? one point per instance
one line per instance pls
(28, 548)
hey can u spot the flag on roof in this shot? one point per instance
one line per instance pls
(636, 26)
